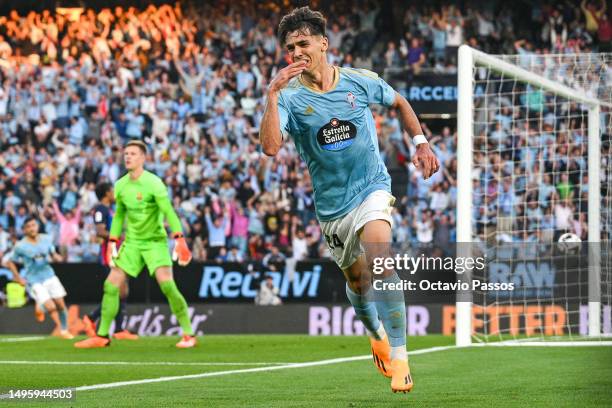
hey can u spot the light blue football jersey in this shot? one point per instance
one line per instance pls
(35, 258)
(335, 134)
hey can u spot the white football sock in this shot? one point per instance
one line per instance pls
(399, 353)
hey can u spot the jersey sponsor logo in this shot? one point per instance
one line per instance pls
(336, 135)
(139, 196)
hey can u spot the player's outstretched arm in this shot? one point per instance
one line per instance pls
(424, 158)
(181, 252)
(270, 130)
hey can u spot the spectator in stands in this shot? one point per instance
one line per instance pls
(454, 38)
(268, 293)
(274, 257)
(68, 225)
(299, 245)
(392, 56)
(604, 33)
(593, 15)
(216, 232)
(416, 55)
(4, 241)
(424, 228)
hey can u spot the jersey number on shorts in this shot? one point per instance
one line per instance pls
(334, 241)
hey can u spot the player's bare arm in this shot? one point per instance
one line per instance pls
(270, 134)
(102, 231)
(16, 276)
(424, 158)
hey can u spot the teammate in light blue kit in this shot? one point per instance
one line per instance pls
(325, 110)
(34, 252)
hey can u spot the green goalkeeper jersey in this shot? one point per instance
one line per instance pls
(145, 201)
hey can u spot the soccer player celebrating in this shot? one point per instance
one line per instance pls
(34, 252)
(325, 109)
(102, 219)
(143, 198)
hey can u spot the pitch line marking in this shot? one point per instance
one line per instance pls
(262, 369)
(20, 339)
(139, 363)
(247, 370)
(516, 343)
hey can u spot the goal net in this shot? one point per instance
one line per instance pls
(534, 178)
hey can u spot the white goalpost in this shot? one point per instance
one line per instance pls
(534, 163)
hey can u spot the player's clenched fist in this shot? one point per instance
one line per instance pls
(181, 252)
(111, 251)
(284, 75)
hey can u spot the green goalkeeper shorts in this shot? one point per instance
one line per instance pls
(134, 255)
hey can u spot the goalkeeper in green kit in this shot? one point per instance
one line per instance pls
(142, 197)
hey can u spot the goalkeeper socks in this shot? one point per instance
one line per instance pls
(110, 306)
(95, 315)
(392, 311)
(63, 317)
(365, 310)
(120, 318)
(178, 305)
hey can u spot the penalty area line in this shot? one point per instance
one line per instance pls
(247, 370)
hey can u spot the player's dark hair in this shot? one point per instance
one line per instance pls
(102, 189)
(30, 218)
(304, 20)
(138, 143)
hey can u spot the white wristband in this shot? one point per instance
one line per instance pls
(419, 139)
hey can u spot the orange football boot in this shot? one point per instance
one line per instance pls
(65, 334)
(187, 342)
(90, 326)
(125, 335)
(39, 314)
(401, 381)
(381, 354)
(93, 342)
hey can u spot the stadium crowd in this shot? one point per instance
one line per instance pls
(190, 80)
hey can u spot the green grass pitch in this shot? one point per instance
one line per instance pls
(478, 377)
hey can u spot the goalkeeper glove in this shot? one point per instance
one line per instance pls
(111, 251)
(181, 252)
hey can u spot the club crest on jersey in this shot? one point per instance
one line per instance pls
(336, 135)
(350, 98)
(139, 196)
